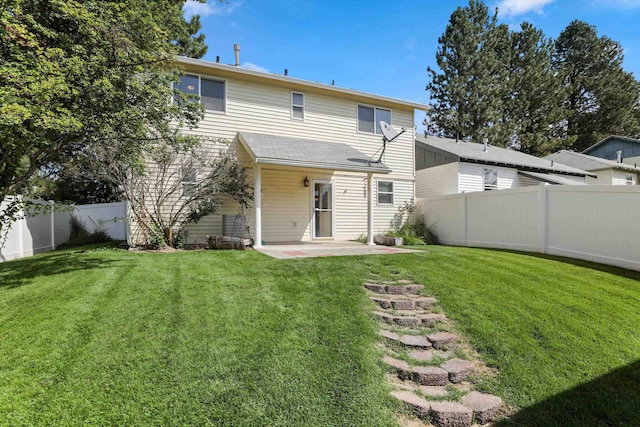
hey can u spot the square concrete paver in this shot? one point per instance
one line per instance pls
(313, 249)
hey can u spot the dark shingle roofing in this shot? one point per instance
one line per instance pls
(287, 151)
(587, 162)
(622, 138)
(473, 152)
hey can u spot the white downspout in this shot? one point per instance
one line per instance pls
(257, 202)
(370, 209)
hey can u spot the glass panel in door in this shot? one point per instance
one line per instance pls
(323, 209)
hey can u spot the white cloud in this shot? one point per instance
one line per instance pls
(254, 67)
(520, 7)
(211, 7)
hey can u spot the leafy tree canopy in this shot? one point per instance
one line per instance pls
(75, 74)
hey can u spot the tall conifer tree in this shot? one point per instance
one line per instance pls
(468, 92)
(601, 96)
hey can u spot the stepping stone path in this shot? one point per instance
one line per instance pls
(423, 388)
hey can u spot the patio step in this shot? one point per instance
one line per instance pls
(453, 371)
(399, 320)
(441, 340)
(394, 289)
(403, 302)
(441, 414)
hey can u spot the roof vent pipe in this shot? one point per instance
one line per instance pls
(286, 72)
(486, 145)
(218, 59)
(236, 49)
(551, 163)
(619, 156)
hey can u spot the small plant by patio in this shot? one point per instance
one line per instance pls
(415, 230)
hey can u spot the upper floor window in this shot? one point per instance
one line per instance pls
(369, 118)
(490, 179)
(385, 192)
(297, 105)
(212, 92)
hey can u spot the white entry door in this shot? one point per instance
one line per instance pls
(322, 209)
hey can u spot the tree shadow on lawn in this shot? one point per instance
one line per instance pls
(618, 271)
(612, 399)
(21, 272)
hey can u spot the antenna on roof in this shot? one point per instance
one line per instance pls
(388, 135)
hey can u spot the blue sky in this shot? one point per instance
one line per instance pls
(382, 47)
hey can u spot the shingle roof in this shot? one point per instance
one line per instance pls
(553, 179)
(473, 152)
(587, 162)
(307, 153)
(622, 138)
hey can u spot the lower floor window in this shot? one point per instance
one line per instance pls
(385, 192)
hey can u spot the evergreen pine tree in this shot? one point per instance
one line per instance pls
(535, 105)
(601, 97)
(467, 95)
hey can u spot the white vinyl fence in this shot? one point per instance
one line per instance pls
(42, 233)
(596, 222)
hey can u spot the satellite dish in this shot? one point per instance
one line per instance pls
(388, 132)
(388, 135)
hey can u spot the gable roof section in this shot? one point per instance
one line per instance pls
(587, 162)
(551, 179)
(231, 71)
(307, 153)
(609, 138)
(471, 152)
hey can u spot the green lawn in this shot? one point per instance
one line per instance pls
(104, 336)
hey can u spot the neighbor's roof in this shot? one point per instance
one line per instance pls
(552, 179)
(306, 153)
(474, 153)
(587, 162)
(623, 138)
(224, 70)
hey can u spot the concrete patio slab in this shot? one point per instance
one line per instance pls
(323, 249)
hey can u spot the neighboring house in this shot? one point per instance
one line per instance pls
(609, 172)
(312, 151)
(446, 166)
(617, 148)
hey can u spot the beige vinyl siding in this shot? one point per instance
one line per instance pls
(471, 177)
(525, 181)
(388, 217)
(619, 177)
(605, 177)
(437, 180)
(258, 108)
(576, 179)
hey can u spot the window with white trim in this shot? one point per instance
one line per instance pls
(490, 179)
(212, 92)
(629, 178)
(385, 192)
(297, 105)
(369, 118)
(189, 182)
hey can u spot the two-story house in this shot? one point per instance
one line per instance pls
(313, 150)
